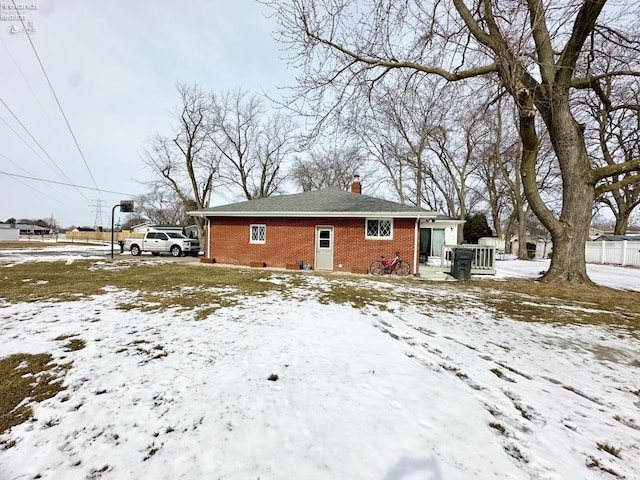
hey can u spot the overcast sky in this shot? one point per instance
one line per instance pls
(114, 66)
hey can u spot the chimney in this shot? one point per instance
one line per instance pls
(355, 185)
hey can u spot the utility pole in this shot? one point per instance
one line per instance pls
(97, 205)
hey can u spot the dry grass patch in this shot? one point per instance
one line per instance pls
(610, 449)
(354, 295)
(205, 288)
(73, 344)
(59, 281)
(26, 378)
(19, 245)
(159, 286)
(534, 301)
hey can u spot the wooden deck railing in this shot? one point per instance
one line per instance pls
(484, 258)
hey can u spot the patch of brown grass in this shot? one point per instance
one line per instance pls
(27, 378)
(205, 288)
(61, 281)
(534, 301)
(7, 245)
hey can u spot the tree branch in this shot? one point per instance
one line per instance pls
(542, 40)
(610, 187)
(582, 27)
(378, 62)
(588, 82)
(616, 169)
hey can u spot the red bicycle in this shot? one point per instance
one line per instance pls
(390, 266)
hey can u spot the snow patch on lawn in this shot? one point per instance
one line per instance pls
(411, 391)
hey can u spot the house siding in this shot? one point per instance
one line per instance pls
(291, 239)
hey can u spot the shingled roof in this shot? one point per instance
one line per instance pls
(329, 202)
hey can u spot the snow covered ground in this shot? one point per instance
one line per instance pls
(414, 391)
(53, 252)
(626, 278)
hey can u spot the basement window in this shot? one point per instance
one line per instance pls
(379, 228)
(258, 234)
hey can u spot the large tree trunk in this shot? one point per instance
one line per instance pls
(570, 231)
(622, 222)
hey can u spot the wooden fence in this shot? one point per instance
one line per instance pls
(72, 236)
(81, 237)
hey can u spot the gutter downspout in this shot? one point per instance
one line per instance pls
(416, 273)
(208, 249)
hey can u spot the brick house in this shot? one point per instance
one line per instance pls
(328, 229)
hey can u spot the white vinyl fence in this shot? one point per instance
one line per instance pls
(622, 252)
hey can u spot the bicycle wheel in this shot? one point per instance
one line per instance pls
(376, 268)
(403, 269)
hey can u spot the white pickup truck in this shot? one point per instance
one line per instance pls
(174, 243)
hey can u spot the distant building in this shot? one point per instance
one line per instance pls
(9, 232)
(27, 229)
(616, 238)
(191, 231)
(155, 227)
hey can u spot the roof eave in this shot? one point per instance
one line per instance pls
(264, 214)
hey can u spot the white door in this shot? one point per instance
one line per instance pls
(324, 248)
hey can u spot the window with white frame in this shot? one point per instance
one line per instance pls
(258, 233)
(380, 228)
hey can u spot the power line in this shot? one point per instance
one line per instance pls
(38, 191)
(60, 197)
(27, 144)
(31, 174)
(65, 184)
(55, 96)
(28, 84)
(37, 143)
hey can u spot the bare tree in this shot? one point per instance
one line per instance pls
(498, 165)
(387, 147)
(536, 49)
(495, 161)
(185, 162)
(410, 115)
(427, 152)
(252, 144)
(325, 168)
(161, 205)
(493, 185)
(455, 146)
(615, 139)
(399, 125)
(133, 219)
(396, 163)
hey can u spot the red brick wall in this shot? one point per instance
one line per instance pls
(291, 239)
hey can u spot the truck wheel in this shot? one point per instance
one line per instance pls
(176, 251)
(135, 250)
